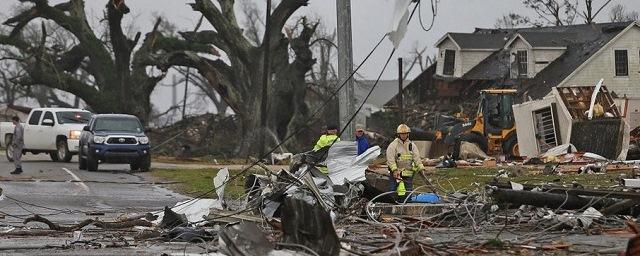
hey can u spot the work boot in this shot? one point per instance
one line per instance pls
(17, 171)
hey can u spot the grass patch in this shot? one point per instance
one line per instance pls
(196, 182)
(456, 179)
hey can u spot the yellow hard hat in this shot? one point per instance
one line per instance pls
(403, 128)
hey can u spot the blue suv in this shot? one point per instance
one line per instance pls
(114, 138)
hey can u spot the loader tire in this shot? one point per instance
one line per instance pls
(510, 145)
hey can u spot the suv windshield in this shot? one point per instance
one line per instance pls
(119, 124)
(73, 117)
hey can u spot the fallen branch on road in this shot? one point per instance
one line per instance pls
(97, 223)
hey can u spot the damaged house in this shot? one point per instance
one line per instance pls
(533, 61)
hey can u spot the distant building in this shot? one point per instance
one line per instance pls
(532, 60)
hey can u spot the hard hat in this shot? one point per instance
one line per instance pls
(403, 128)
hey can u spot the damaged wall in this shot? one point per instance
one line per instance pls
(605, 130)
(525, 124)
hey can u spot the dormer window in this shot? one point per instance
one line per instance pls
(449, 62)
(521, 59)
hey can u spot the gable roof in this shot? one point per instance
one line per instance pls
(471, 41)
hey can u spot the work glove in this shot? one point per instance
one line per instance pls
(397, 174)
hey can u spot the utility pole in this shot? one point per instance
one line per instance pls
(400, 96)
(345, 67)
(265, 78)
(186, 93)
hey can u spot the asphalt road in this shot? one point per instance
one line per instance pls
(66, 195)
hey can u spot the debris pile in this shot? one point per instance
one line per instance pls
(303, 211)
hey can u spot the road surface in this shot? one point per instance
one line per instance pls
(66, 195)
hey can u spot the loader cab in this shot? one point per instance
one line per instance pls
(495, 122)
(496, 111)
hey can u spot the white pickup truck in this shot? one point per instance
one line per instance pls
(55, 131)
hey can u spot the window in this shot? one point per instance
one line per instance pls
(622, 63)
(449, 62)
(521, 59)
(118, 124)
(35, 117)
(47, 115)
(73, 117)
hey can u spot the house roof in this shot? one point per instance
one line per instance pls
(581, 42)
(475, 41)
(544, 39)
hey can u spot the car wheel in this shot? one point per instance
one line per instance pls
(134, 166)
(145, 164)
(9, 149)
(92, 163)
(63, 151)
(54, 156)
(82, 162)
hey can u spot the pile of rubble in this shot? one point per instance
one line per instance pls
(303, 211)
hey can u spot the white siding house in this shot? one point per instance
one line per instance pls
(622, 73)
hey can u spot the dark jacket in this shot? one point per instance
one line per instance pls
(363, 144)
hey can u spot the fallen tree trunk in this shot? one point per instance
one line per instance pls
(550, 200)
(97, 223)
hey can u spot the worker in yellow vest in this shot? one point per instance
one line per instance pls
(325, 141)
(328, 138)
(404, 161)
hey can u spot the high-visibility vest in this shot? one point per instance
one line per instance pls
(400, 189)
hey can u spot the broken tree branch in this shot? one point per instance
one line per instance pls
(97, 223)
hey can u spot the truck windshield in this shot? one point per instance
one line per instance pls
(118, 124)
(73, 117)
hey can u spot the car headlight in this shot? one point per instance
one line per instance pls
(143, 140)
(98, 139)
(74, 135)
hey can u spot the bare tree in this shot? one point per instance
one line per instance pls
(118, 81)
(619, 13)
(512, 20)
(591, 11)
(238, 80)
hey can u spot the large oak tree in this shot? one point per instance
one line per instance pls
(121, 80)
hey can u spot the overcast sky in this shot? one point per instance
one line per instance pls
(370, 20)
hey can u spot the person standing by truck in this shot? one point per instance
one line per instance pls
(18, 144)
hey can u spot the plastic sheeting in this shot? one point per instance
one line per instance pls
(194, 209)
(344, 163)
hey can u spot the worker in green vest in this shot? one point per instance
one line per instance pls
(404, 161)
(326, 140)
